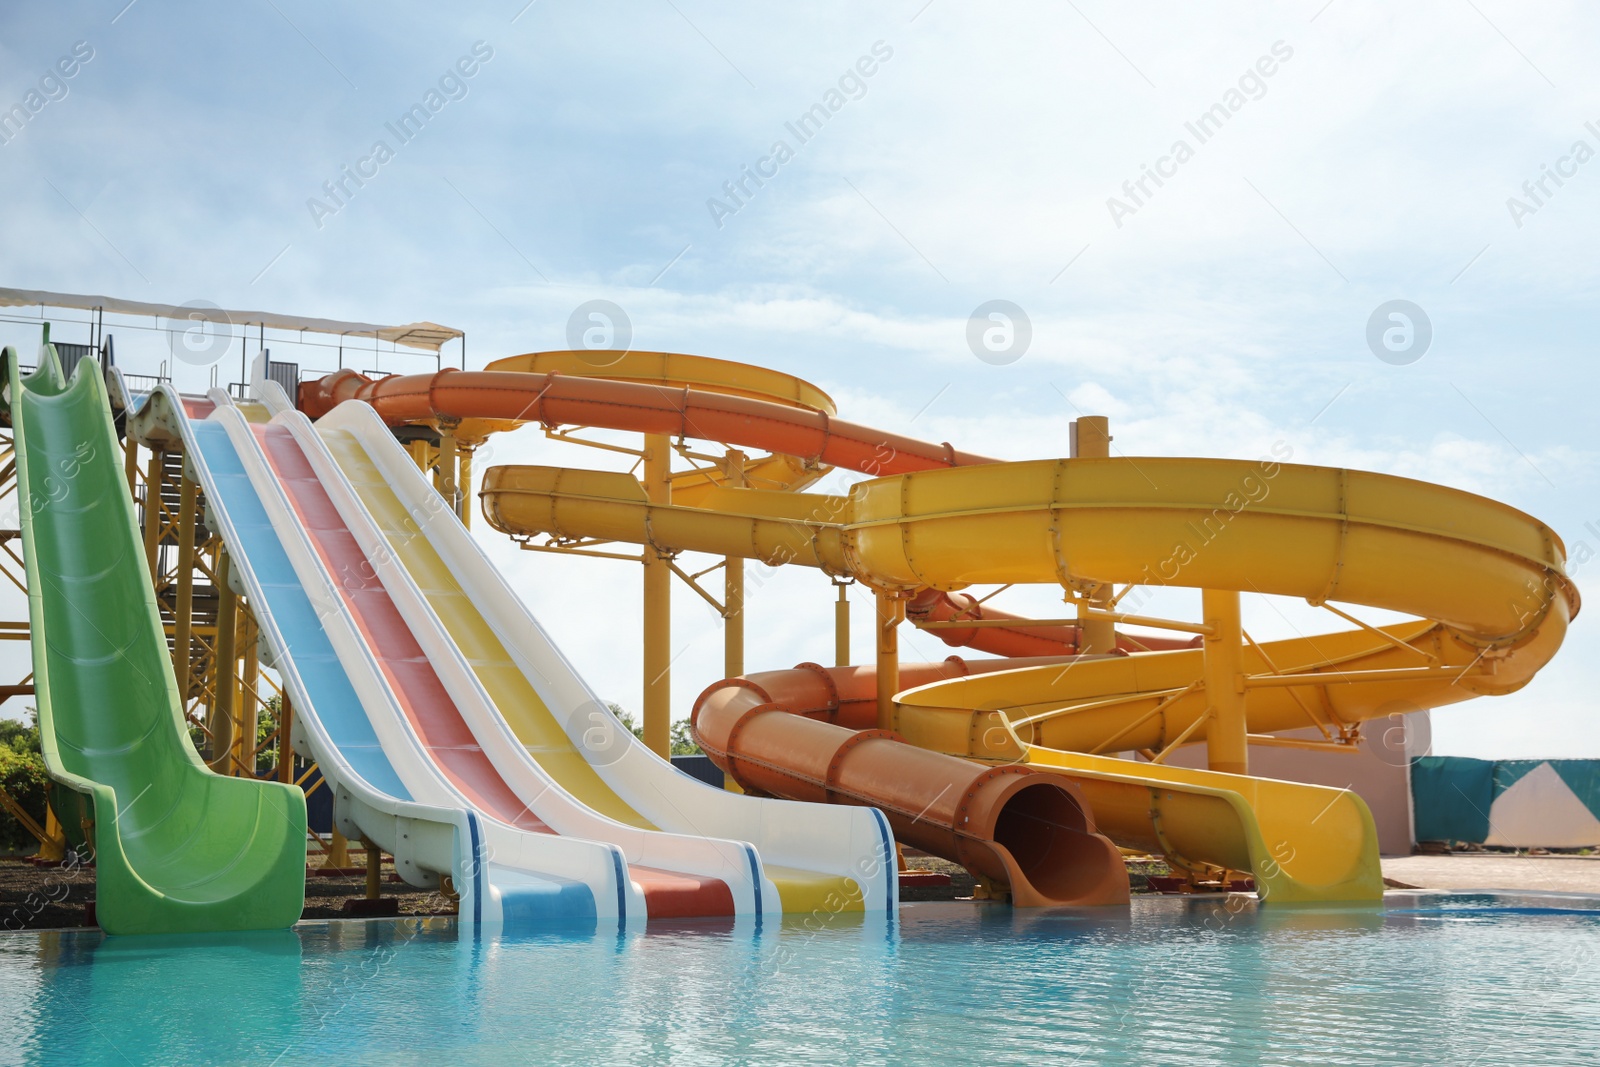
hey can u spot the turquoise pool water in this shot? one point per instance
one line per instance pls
(1457, 980)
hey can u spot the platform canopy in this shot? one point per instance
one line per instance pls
(425, 335)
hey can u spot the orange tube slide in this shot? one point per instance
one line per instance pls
(848, 696)
(1026, 829)
(932, 605)
(555, 399)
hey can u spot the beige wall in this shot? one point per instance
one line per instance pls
(1378, 772)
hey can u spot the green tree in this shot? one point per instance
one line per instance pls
(266, 723)
(22, 775)
(682, 735)
(267, 758)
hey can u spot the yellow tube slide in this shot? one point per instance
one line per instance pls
(677, 370)
(1486, 580)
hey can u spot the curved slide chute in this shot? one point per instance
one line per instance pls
(1301, 843)
(1490, 575)
(507, 398)
(1490, 578)
(944, 612)
(344, 713)
(177, 849)
(1025, 829)
(1409, 555)
(537, 712)
(527, 817)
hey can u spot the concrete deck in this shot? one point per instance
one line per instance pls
(1555, 874)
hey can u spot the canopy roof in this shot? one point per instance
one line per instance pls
(426, 335)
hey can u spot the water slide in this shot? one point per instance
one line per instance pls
(1081, 864)
(1325, 535)
(1486, 582)
(1282, 832)
(405, 769)
(300, 623)
(177, 849)
(536, 714)
(403, 720)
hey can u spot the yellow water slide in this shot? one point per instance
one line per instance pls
(1485, 581)
(674, 371)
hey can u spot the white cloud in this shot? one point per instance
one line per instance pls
(1208, 324)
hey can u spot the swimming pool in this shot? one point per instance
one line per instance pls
(1431, 979)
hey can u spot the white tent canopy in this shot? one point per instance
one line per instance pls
(425, 335)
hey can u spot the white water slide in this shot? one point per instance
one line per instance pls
(450, 730)
(546, 733)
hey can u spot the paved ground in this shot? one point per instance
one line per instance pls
(51, 897)
(42, 897)
(1557, 874)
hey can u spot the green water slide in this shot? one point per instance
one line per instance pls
(176, 847)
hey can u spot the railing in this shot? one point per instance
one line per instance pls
(287, 375)
(143, 383)
(70, 355)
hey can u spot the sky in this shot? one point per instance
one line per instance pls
(1355, 154)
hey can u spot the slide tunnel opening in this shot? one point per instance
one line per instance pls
(1045, 829)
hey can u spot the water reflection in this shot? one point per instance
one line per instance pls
(1431, 979)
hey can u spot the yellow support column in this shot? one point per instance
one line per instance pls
(1092, 440)
(733, 623)
(657, 606)
(733, 582)
(338, 852)
(891, 613)
(285, 733)
(224, 673)
(841, 626)
(130, 463)
(183, 620)
(152, 507)
(249, 706)
(444, 475)
(464, 486)
(1226, 746)
(1092, 437)
(421, 455)
(374, 868)
(53, 848)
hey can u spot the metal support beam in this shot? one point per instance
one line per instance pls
(891, 613)
(1227, 746)
(249, 713)
(338, 849)
(54, 847)
(152, 510)
(1097, 635)
(657, 711)
(464, 486)
(444, 475)
(219, 723)
(841, 626)
(26, 821)
(1114, 616)
(130, 465)
(285, 738)
(183, 616)
(374, 868)
(422, 455)
(733, 581)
